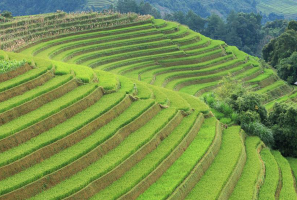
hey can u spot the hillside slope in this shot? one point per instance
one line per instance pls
(70, 131)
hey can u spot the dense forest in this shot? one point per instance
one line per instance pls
(31, 7)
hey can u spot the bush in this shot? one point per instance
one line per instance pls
(260, 130)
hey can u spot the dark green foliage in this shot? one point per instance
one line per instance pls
(31, 7)
(287, 68)
(6, 14)
(292, 25)
(280, 48)
(283, 122)
(125, 6)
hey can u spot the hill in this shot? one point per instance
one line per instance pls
(79, 119)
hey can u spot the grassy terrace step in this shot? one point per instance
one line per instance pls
(214, 180)
(48, 86)
(293, 164)
(271, 87)
(131, 162)
(175, 100)
(272, 181)
(253, 173)
(155, 163)
(193, 59)
(159, 95)
(45, 111)
(80, 155)
(124, 56)
(200, 72)
(126, 49)
(288, 190)
(14, 73)
(17, 89)
(181, 168)
(60, 51)
(68, 135)
(21, 107)
(68, 55)
(83, 36)
(180, 83)
(21, 79)
(111, 159)
(130, 61)
(197, 89)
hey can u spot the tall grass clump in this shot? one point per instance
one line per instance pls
(8, 65)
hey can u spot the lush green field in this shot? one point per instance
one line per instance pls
(111, 109)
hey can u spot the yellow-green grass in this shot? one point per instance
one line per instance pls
(80, 37)
(45, 111)
(248, 73)
(119, 50)
(270, 105)
(132, 67)
(31, 94)
(133, 142)
(182, 167)
(211, 47)
(159, 95)
(267, 73)
(173, 84)
(143, 91)
(149, 163)
(195, 72)
(293, 164)
(81, 148)
(272, 176)
(107, 81)
(158, 23)
(182, 31)
(288, 191)
(193, 89)
(191, 58)
(170, 26)
(67, 55)
(121, 63)
(215, 178)
(31, 74)
(124, 56)
(195, 103)
(271, 87)
(136, 73)
(62, 51)
(176, 100)
(247, 186)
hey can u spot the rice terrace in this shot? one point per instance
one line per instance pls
(118, 106)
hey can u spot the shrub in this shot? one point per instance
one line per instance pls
(260, 130)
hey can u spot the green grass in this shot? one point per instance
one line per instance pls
(176, 100)
(246, 187)
(193, 89)
(267, 73)
(271, 87)
(107, 80)
(31, 74)
(149, 163)
(31, 94)
(215, 178)
(159, 95)
(293, 164)
(269, 187)
(182, 167)
(45, 111)
(288, 189)
(8, 65)
(133, 142)
(195, 102)
(83, 147)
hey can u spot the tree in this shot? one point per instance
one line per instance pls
(287, 68)
(6, 14)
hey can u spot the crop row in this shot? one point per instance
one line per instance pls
(272, 176)
(182, 167)
(288, 190)
(45, 111)
(151, 162)
(133, 142)
(21, 79)
(217, 175)
(248, 184)
(83, 147)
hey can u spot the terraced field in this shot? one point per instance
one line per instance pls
(99, 4)
(96, 114)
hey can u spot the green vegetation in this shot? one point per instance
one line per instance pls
(252, 175)
(6, 65)
(182, 167)
(149, 163)
(110, 160)
(46, 110)
(215, 178)
(288, 190)
(272, 176)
